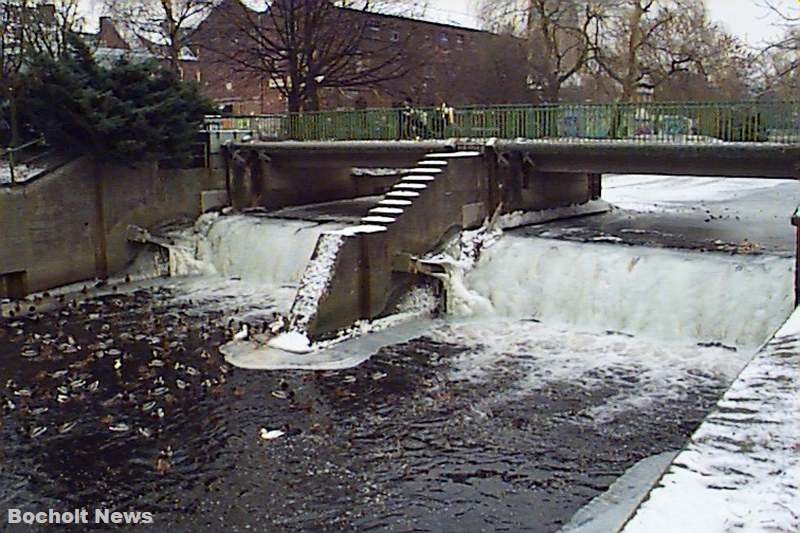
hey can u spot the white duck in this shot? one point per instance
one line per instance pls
(243, 334)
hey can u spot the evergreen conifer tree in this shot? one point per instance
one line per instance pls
(121, 113)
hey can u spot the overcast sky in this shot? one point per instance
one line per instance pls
(745, 18)
(748, 19)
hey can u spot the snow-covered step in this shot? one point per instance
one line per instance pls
(377, 220)
(403, 203)
(432, 163)
(428, 170)
(411, 186)
(419, 178)
(452, 155)
(402, 194)
(385, 211)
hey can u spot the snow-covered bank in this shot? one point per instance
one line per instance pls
(661, 293)
(741, 469)
(646, 192)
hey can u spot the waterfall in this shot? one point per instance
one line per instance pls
(255, 249)
(661, 293)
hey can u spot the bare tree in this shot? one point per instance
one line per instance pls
(53, 23)
(649, 42)
(27, 28)
(780, 58)
(557, 33)
(163, 27)
(303, 46)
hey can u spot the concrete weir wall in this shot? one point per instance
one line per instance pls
(443, 193)
(70, 225)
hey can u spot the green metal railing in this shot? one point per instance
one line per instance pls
(654, 122)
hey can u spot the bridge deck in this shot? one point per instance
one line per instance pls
(722, 159)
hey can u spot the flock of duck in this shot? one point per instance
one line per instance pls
(116, 364)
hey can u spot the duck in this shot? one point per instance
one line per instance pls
(243, 334)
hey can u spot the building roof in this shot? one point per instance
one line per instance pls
(412, 19)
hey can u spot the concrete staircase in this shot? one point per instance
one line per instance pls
(356, 273)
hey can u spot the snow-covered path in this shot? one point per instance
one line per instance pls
(741, 469)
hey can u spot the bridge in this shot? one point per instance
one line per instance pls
(445, 169)
(644, 123)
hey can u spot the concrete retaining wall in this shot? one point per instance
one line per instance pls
(442, 194)
(70, 225)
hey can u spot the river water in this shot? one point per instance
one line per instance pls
(577, 361)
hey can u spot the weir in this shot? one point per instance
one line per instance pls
(442, 187)
(663, 294)
(616, 319)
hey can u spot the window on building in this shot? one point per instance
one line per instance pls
(460, 39)
(442, 37)
(229, 86)
(374, 25)
(395, 36)
(198, 77)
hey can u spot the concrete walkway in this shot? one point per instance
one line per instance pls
(741, 468)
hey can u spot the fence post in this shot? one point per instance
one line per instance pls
(11, 165)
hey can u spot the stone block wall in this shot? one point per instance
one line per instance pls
(70, 225)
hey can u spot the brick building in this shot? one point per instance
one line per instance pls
(452, 64)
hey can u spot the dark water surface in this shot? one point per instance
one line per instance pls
(400, 443)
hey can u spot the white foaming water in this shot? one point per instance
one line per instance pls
(659, 293)
(248, 265)
(530, 356)
(261, 250)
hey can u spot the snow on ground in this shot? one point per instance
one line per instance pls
(741, 469)
(22, 173)
(373, 172)
(645, 192)
(316, 280)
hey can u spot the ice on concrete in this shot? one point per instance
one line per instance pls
(741, 469)
(347, 352)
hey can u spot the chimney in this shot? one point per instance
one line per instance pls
(105, 24)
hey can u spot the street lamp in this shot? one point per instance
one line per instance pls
(645, 88)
